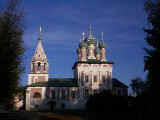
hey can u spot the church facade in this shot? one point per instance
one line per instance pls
(92, 74)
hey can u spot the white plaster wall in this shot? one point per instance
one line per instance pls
(36, 77)
(94, 69)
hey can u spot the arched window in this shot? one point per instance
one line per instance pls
(44, 66)
(37, 95)
(82, 79)
(53, 94)
(73, 93)
(68, 94)
(86, 92)
(37, 98)
(86, 78)
(95, 91)
(95, 78)
(58, 93)
(103, 79)
(39, 66)
(63, 94)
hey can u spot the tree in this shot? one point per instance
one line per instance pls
(106, 105)
(153, 39)
(11, 49)
(138, 86)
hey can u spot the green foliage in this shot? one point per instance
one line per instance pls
(153, 40)
(106, 105)
(11, 49)
(138, 86)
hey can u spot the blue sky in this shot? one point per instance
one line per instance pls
(63, 21)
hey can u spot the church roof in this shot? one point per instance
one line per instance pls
(117, 83)
(39, 52)
(57, 82)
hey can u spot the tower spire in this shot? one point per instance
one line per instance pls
(97, 43)
(83, 36)
(90, 30)
(80, 40)
(40, 28)
(40, 33)
(102, 37)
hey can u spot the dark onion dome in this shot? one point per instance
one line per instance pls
(102, 45)
(97, 50)
(78, 50)
(82, 44)
(91, 40)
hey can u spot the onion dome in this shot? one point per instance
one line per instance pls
(102, 45)
(82, 44)
(97, 51)
(78, 50)
(91, 40)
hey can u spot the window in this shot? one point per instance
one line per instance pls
(37, 95)
(82, 79)
(62, 105)
(82, 76)
(68, 95)
(82, 82)
(39, 66)
(86, 92)
(35, 81)
(47, 92)
(73, 94)
(95, 91)
(58, 93)
(119, 92)
(86, 78)
(95, 78)
(107, 81)
(63, 94)
(103, 79)
(37, 98)
(78, 93)
(53, 94)
(44, 66)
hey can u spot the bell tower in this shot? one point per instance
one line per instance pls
(39, 64)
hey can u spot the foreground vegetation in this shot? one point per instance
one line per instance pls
(11, 51)
(59, 115)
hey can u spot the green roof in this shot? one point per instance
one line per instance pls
(56, 82)
(61, 79)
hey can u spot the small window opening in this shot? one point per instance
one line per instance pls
(39, 66)
(44, 66)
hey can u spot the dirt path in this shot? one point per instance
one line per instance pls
(54, 116)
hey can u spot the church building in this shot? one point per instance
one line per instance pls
(92, 74)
